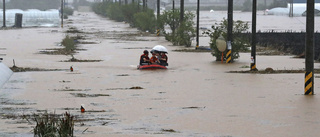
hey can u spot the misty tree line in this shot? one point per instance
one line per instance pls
(33, 4)
(40, 4)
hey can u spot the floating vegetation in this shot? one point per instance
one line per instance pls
(73, 30)
(168, 130)
(123, 75)
(57, 51)
(158, 98)
(68, 108)
(64, 81)
(21, 69)
(96, 111)
(78, 60)
(87, 42)
(137, 87)
(193, 107)
(16, 103)
(82, 95)
(245, 66)
(70, 89)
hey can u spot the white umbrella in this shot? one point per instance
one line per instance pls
(160, 48)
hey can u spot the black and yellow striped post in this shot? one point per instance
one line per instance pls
(229, 51)
(230, 28)
(253, 66)
(158, 32)
(308, 84)
(309, 57)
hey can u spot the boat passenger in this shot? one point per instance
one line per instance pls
(163, 59)
(154, 59)
(144, 58)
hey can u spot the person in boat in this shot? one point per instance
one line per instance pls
(154, 59)
(163, 59)
(144, 58)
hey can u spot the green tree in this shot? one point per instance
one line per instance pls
(145, 21)
(114, 12)
(129, 11)
(181, 32)
(238, 44)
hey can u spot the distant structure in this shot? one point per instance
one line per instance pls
(297, 8)
(33, 17)
(304, 1)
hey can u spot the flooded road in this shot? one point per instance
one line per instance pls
(193, 97)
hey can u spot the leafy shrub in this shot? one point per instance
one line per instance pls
(69, 44)
(181, 32)
(114, 12)
(145, 21)
(238, 43)
(129, 11)
(100, 8)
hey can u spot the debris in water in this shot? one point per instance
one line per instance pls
(168, 130)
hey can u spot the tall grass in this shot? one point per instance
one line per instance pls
(53, 126)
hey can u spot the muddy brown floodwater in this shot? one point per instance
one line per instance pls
(195, 96)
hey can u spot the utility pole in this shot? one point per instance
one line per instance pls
(198, 13)
(138, 5)
(181, 11)
(309, 57)
(230, 27)
(291, 9)
(62, 4)
(174, 26)
(158, 17)
(4, 13)
(265, 6)
(253, 36)
(144, 5)
(173, 5)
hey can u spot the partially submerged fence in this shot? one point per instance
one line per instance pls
(291, 42)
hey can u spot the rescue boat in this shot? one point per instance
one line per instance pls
(151, 67)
